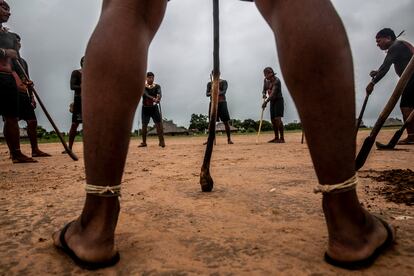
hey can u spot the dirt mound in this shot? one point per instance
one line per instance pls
(399, 186)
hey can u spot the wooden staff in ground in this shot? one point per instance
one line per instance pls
(206, 181)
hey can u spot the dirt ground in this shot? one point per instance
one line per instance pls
(261, 219)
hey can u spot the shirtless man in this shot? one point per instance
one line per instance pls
(222, 110)
(150, 103)
(324, 97)
(76, 86)
(399, 53)
(27, 105)
(272, 93)
(9, 95)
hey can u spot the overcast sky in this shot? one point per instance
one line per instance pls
(55, 33)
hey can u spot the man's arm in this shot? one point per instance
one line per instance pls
(264, 91)
(159, 94)
(75, 83)
(208, 91)
(382, 71)
(223, 87)
(384, 68)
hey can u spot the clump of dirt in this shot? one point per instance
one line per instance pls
(399, 186)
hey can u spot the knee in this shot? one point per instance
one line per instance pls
(148, 13)
(266, 8)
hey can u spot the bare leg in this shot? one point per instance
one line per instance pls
(32, 133)
(279, 125)
(160, 133)
(144, 135)
(227, 127)
(114, 72)
(317, 66)
(275, 130)
(12, 136)
(406, 111)
(72, 134)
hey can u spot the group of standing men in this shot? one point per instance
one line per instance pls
(272, 92)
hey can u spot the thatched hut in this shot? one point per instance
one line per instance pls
(171, 129)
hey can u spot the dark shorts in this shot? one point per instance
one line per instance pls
(26, 110)
(9, 96)
(222, 112)
(277, 108)
(407, 97)
(77, 110)
(149, 112)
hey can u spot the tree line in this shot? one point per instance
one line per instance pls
(199, 122)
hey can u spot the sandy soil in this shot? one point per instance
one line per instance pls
(261, 219)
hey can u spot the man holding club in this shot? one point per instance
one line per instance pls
(27, 104)
(222, 109)
(399, 53)
(272, 93)
(324, 97)
(76, 109)
(151, 99)
(9, 94)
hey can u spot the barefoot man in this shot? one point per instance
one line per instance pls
(150, 102)
(324, 97)
(399, 53)
(76, 86)
(272, 92)
(27, 105)
(9, 95)
(222, 110)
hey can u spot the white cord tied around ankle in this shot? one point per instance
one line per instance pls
(345, 186)
(104, 191)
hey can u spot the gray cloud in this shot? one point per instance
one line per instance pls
(55, 33)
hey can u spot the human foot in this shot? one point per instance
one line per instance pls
(39, 153)
(355, 246)
(230, 142)
(407, 141)
(142, 145)
(18, 157)
(85, 247)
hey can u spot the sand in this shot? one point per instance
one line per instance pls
(261, 219)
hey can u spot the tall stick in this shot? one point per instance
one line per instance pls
(260, 126)
(364, 105)
(369, 141)
(68, 150)
(206, 181)
(162, 120)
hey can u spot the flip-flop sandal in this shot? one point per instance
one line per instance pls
(81, 263)
(367, 262)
